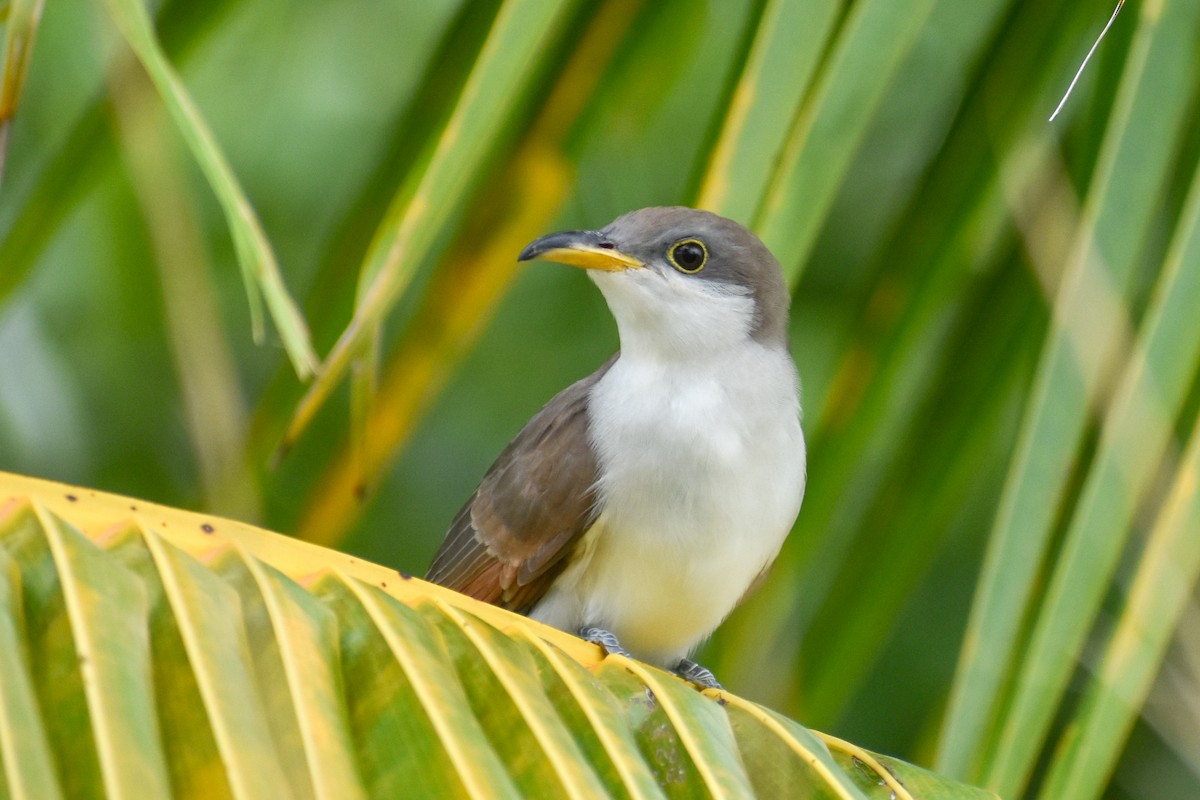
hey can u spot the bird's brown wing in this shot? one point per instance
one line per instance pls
(511, 539)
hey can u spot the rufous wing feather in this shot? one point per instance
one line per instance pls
(516, 532)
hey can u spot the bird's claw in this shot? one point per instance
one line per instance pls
(701, 676)
(686, 668)
(606, 639)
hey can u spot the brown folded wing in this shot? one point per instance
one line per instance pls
(512, 538)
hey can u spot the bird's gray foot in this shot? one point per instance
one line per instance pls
(606, 639)
(701, 676)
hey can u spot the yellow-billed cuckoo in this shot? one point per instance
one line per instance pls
(642, 502)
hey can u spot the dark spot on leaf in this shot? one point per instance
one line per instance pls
(721, 701)
(72, 498)
(206, 528)
(383, 584)
(132, 508)
(404, 576)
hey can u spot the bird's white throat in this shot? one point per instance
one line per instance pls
(667, 317)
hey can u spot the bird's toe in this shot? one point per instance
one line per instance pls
(606, 639)
(701, 676)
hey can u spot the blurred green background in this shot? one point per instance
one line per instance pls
(993, 315)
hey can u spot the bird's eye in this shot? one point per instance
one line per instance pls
(688, 256)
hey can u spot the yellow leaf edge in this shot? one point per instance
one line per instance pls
(101, 514)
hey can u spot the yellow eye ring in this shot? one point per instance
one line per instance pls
(688, 256)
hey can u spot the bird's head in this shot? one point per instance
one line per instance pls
(678, 280)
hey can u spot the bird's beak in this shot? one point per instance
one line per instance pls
(587, 249)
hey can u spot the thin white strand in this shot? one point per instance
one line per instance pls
(1087, 58)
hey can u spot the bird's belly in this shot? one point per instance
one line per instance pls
(693, 510)
(660, 596)
(663, 584)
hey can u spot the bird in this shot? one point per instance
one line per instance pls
(642, 503)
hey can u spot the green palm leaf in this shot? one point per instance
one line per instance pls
(163, 652)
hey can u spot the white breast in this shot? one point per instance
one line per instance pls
(703, 469)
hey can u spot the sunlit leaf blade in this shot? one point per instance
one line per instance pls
(364, 387)
(108, 612)
(191, 751)
(1132, 446)
(276, 691)
(660, 744)
(788, 44)
(611, 746)
(915, 781)
(704, 730)
(220, 657)
(1170, 564)
(260, 271)
(508, 685)
(1158, 595)
(474, 756)
(307, 636)
(348, 677)
(53, 660)
(772, 736)
(454, 755)
(870, 46)
(867, 769)
(1090, 323)
(518, 42)
(26, 760)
